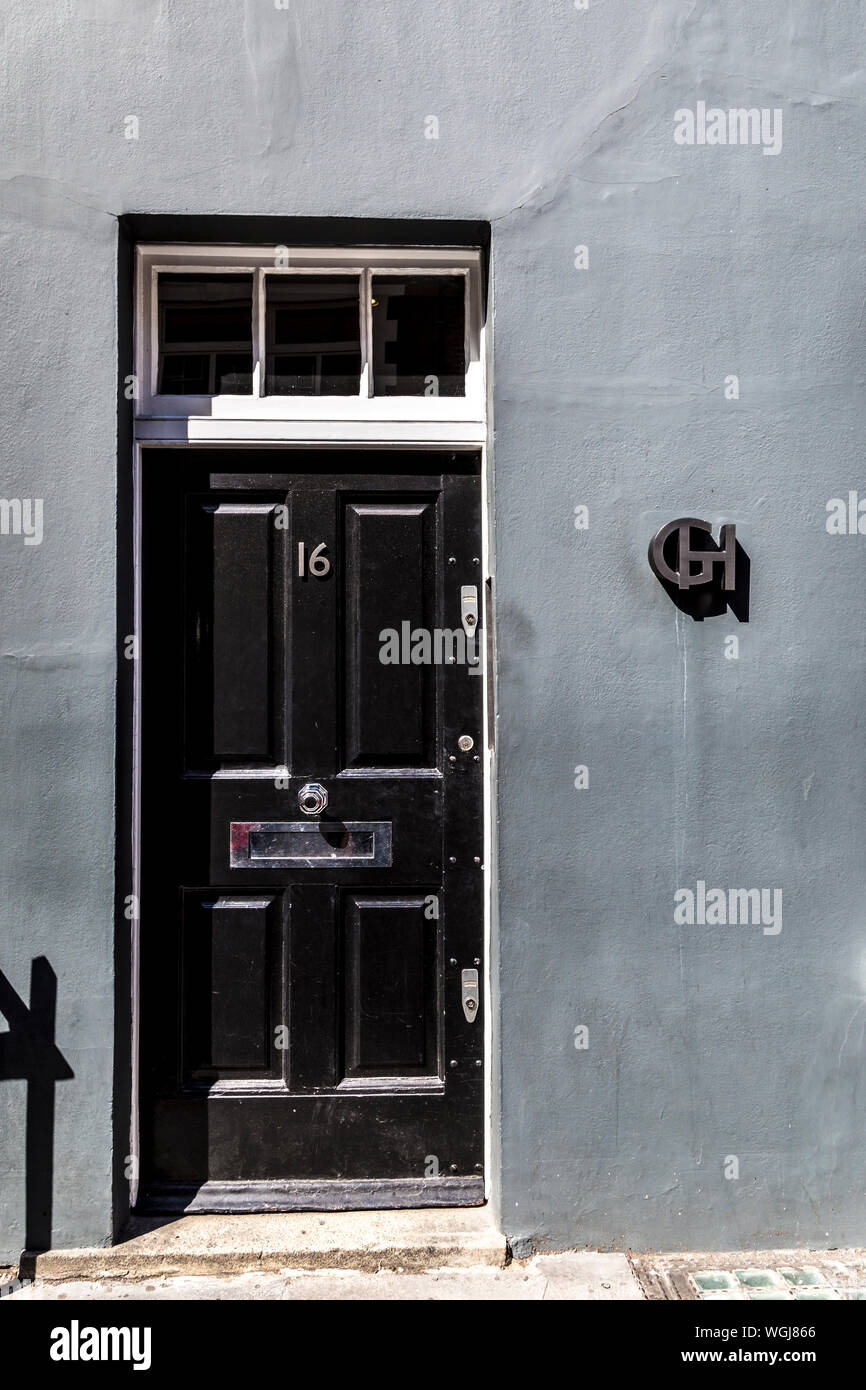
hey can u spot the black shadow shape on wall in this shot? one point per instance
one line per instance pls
(28, 1053)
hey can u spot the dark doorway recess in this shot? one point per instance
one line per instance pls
(308, 1035)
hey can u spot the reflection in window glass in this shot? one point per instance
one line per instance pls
(313, 335)
(418, 335)
(205, 335)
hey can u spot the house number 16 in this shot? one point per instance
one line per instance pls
(317, 565)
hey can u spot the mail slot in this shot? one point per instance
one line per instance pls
(310, 845)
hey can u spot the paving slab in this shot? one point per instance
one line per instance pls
(587, 1275)
(231, 1245)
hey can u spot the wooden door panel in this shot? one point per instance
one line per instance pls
(389, 578)
(232, 969)
(390, 986)
(234, 586)
(301, 1016)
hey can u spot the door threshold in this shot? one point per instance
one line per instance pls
(316, 1194)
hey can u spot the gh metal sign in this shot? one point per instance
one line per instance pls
(702, 577)
(687, 555)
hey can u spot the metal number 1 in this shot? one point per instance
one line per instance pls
(318, 564)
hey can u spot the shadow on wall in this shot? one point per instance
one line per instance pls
(28, 1053)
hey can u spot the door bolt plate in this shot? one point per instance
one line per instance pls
(469, 608)
(469, 981)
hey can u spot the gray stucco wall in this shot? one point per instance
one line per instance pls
(705, 1043)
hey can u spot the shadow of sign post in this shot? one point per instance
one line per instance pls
(28, 1053)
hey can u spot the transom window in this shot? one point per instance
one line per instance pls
(293, 333)
(313, 335)
(205, 334)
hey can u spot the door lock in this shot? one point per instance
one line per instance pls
(469, 982)
(312, 798)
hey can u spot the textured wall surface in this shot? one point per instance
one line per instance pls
(720, 1098)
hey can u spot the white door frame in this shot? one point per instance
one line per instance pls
(458, 424)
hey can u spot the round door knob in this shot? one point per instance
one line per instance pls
(312, 798)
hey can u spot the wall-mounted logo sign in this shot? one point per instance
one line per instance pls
(683, 576)
(702, 578)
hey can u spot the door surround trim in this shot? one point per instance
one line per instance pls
(408, 424)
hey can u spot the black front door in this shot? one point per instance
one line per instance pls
(311, 830)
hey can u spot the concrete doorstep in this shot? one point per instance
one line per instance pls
(365, 1241)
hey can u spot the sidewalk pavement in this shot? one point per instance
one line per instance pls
(392, 1256)
(550, 1277)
